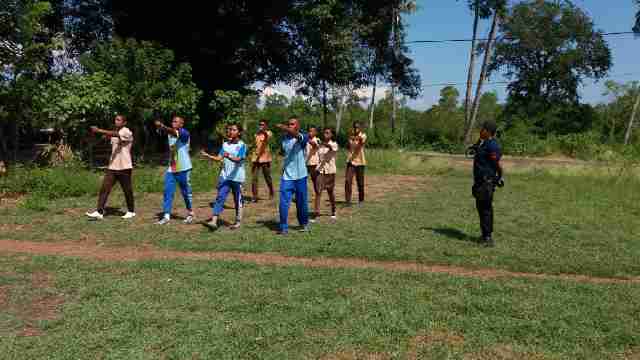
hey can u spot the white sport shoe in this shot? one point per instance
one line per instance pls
(334, 218)
(164, 220)
(188, 219)
(95, 215)
(129, 215)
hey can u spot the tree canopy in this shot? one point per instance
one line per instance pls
(548, 49)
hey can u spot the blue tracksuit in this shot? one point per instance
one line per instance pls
(294, 180)
(231, 177)
(183, 179)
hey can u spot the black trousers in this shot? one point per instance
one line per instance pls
(358, 172)
(110, 178)
(483, 192)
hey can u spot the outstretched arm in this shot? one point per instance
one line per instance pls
(108, 133)
(288, 130)
(209, 156)
(168, 130)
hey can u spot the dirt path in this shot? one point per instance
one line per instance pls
(86, 251)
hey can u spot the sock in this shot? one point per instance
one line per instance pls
(167, 216)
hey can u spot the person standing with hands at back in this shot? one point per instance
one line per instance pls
(261, 159)
(232, 153)
(119, 169)
(356, 163)
(312, 160)
(179, 170)
(487, 174)
(294, 175)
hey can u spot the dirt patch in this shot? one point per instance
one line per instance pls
(502, 352)
(147, 252)
(377, 188)
(631, 354)
(433, 338)
(42, 304)
(356, 355)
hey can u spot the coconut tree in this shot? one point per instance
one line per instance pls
(498, 7)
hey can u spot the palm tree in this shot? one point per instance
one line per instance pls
(634, 112)
(498, 8)
(404, 6)
(481, 11)
(636, 27)
(627, 135)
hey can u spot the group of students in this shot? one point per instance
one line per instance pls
(305, 156)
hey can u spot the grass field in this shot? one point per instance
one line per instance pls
(559, 221)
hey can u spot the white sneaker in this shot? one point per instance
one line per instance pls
(95, 215)
(164, 220)
(129, 215)
(333, 217)
(188, 219)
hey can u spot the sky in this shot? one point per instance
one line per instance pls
(448, 62)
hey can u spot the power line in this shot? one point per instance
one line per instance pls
(485, 39)
(507, 82)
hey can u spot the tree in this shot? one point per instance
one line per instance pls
(329, 49)
(25, 47)
(634, 112)
(498, 7)
(481, 10)
(148, 81)
(636, 27)
(74, 102)
(409, 6)
(548, 49)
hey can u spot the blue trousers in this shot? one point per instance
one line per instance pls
(224, 187)
(183, 179)
(287, 189)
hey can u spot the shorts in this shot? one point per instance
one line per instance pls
(327, 181)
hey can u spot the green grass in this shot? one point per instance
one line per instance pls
(546, 223)
(227, 310)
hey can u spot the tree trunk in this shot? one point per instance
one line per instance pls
(324, 103)
(340, 112)
(244, 114)
(394, 108)
(4, 149)
(373, 102)
(483, 75)
(627, 135)
(16, 141)
(472, 64)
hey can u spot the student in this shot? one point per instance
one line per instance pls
(232, 153)
(327, 170)
(294, 175)
(487, 173)
(312, 160)
(179, 170)
(355, 163)
(119, 169)
(261, 159)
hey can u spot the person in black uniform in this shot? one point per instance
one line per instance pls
(487, 174)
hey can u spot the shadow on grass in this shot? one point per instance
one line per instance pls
(453, 234)
(113, 211)
(270, 224)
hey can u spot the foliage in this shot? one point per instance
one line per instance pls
(548, 49)
(75, 101)
(147, 79)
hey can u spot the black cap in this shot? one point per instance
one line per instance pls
(490, 126)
